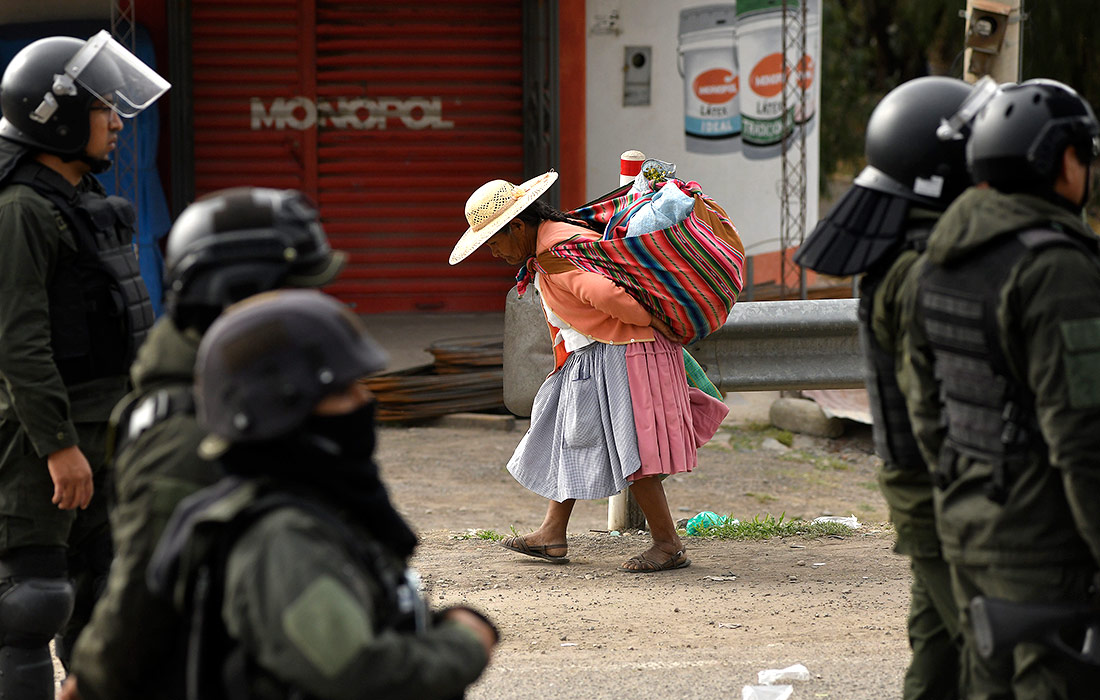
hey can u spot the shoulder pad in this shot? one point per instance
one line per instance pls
(1040, 238)
(143, 413)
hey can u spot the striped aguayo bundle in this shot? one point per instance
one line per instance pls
(688, 275)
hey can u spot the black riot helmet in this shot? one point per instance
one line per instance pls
(907, 165)
(1019, 137)
(264, 365)
(49, 87)
(237, 242)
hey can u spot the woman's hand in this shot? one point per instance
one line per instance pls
(660, 326)
(69, 691)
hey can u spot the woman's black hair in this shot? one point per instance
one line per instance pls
(540, 211)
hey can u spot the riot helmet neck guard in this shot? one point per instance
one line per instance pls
(907, 166)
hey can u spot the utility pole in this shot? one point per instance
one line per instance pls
(994, 44)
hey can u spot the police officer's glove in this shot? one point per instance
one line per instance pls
(440, 615)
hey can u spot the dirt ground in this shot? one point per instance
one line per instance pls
(588, 630)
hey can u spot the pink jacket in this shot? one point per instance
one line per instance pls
(589, 303)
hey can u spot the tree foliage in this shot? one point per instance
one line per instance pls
(871, 46)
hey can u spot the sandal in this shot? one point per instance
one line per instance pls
(645, 565)
(518, 544)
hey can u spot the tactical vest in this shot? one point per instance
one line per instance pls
(990, 413)
(216, 666)
(890, 427)
(99, 307)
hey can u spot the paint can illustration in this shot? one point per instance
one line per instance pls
(707, 59)
(760, 47)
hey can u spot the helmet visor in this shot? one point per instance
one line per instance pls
(957, 128)
(117, 77)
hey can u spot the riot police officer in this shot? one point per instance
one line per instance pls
(73, 310)
(225, 246)
(1003, 383)
(292, 570)
(877, 229)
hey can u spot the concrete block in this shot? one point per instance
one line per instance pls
(804, 416)
(484, 421)
(528, 354)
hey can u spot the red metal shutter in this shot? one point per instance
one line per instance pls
(244, 51)
(388, 116)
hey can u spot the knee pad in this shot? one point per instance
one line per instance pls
(33, 610)
(26, 674)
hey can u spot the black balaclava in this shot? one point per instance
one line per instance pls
(331, 457)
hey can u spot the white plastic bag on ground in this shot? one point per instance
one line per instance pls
(766, 692)
(798, 672)
(851, 520)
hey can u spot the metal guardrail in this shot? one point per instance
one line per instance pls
(770, 345)
(763, 346)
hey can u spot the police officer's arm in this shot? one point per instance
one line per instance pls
(306, 614)
(1060, 339)
(132, 630)
(29, 239)
(916, 376)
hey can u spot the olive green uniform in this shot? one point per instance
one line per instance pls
(123, 650)
(1041, 542)
(300, 602)
(39, 413)
(933, 616)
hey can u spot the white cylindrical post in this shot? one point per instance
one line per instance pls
(630, 164)
(623, 512)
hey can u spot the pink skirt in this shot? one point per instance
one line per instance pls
(672, 419)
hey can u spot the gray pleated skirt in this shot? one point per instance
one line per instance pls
(582, 442)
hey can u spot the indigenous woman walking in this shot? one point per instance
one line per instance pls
(616, 410)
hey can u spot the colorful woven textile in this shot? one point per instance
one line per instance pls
(697, 378)
(688, 275)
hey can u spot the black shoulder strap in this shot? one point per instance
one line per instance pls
(211, 652)
(1040, 238)
(46, 182)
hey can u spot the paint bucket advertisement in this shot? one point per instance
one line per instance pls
(767, 117)
(727, 95)
(707, 60)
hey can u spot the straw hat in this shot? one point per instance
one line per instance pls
(492, 206)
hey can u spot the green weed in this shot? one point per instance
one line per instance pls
(490, 535)
(761, 498)
(768, 526)
(823, 463)
(749, 436)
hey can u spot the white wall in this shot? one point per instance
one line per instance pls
(748, 189)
